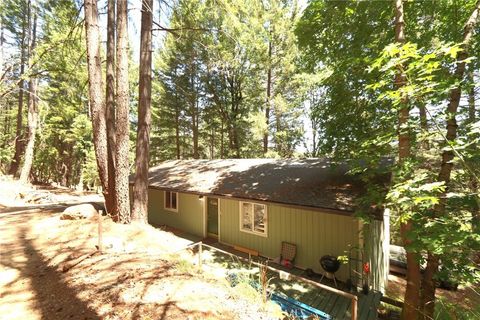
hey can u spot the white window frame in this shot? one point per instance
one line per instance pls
(170, 200)
(262, 234)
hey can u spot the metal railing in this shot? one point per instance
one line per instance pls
(353, 298)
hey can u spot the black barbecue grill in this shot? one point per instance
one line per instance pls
(330, 265)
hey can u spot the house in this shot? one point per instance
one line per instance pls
(258, 203)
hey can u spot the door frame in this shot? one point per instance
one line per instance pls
(205, 216)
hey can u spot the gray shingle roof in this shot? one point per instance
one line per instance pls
(318, 183)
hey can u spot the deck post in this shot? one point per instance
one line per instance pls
(354, 307)
(100, 231)
(200, 256)
(353, 298)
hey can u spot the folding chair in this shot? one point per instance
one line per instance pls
(288, 252)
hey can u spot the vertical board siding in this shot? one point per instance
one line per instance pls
(315, 233)
(377, 251)
(189, 217)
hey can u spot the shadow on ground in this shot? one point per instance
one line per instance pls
(112, 285)
(51, 297)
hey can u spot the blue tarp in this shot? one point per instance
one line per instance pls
(296, 308)
(293, 307)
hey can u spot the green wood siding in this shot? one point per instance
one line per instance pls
(315, 233)
(189, 217)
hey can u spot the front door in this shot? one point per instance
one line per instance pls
(212, 217)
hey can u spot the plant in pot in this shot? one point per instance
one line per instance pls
(366, 271)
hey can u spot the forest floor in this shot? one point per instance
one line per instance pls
(138, 275)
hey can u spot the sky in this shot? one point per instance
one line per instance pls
(161, 16)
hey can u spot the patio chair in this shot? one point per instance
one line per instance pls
(287, 254)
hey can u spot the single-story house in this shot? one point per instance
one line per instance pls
(258, 203)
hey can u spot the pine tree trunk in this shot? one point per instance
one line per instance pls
(428, 299)
(2, 52)
(278, 129)
(234, 132)
(236, 142)
(6, 125)
(177, 123)
(110, 111)
(412, 292)
(122, 130)
(177, 131)
(222, 146)
(32, 130)
(423, 117)
(212, 143)
(140, 189)
(95, 90)
(32, 116)
(194, 109)
(4, 108)
(269, 98)
(423, 124)
(472, 118)
(15, 164)
(196, 154)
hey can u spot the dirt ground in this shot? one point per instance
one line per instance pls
(139, 274)
(466, 297)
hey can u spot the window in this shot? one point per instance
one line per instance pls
(253, 218)
(171, 201)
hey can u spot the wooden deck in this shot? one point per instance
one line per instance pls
(333, 304)
(338, 307)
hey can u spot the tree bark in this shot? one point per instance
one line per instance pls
(212, 143)
(32, 116)
(15, 164)
(412, 292)
(140, 189)
(269, 98)
(193, 97)
(196, 154)
(122, 130)
(472, 118)
(423, 117)
(177, 131)
(279, 144)
(194, 113)
(423, 124)
(177, 122)
(222, 148)
(110, 111)
(428, 299)
(95, 90)
(2, 52)
(32, 130)
(194, 102)
(6, 125)
(6, 108)
(236, 142)
(235, 100)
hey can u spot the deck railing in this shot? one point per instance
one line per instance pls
(353, 298)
